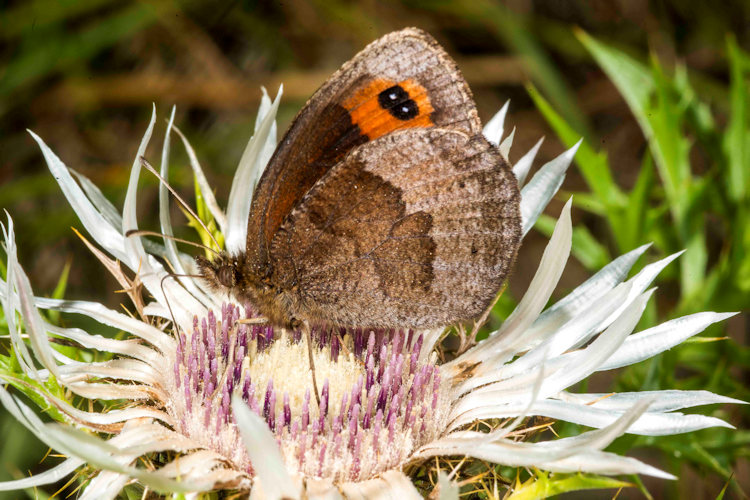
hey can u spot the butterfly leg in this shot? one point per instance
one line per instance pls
(305, 326)
(259, 320)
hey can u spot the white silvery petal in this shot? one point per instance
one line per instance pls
(581, 326)
(568, 368)
(205, 187)
(521, 454)
(493, 130)
(165, 219)
(248, 172)
(50, 476)
(540, 289)
(133, 245)
(582, 363)
(82, 447)
(522, 166)
(391, 485)
(601, 438)
(94, 222)
(270, 470)
(9, 302)
(108, 317)
(585, 294)
(33, 322)
(545, 280)
(101, 203)
(109, 211)
(521, 416)
(648, 343)
(22, 413)
(270, 145)
(641, 281)
(649, 424)
(263, 109)
(664, 400)
(542, 187)
(106, 485)
(601, 462)
(104, 455)
(104, 344)
(448, 489)
(150, 271)
(507, 144)
(431, 338)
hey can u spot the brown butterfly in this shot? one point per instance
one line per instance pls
(383, 205)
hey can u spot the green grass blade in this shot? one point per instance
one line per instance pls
(737, 137)
(635, 215)
(652, 101)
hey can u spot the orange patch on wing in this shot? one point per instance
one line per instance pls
(374, 121)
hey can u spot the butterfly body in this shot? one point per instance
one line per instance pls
(383, 205)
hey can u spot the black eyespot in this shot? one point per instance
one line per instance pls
(397, 102)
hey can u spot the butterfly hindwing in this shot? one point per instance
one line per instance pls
(417, 228)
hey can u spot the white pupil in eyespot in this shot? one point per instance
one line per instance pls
(404, 109)
(392, 97)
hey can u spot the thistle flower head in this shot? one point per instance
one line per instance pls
(228, 405)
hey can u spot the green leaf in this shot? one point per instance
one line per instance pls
(737, 136)
(545, 485)
(208, 219)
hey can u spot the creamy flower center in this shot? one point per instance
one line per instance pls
(380, 395)
(285, 367)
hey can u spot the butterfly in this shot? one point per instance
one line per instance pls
(383, 206)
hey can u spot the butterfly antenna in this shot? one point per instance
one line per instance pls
(166, 299)
(140, 232)
(150, 168)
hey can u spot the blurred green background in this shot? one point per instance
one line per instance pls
(658, 91)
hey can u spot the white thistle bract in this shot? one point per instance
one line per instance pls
(231, 406)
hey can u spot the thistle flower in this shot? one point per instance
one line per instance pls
(227, 405)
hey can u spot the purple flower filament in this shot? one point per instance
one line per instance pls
(365, 424)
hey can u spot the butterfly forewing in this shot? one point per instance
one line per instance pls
(402, 80)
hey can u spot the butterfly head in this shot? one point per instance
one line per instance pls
(222, 273)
